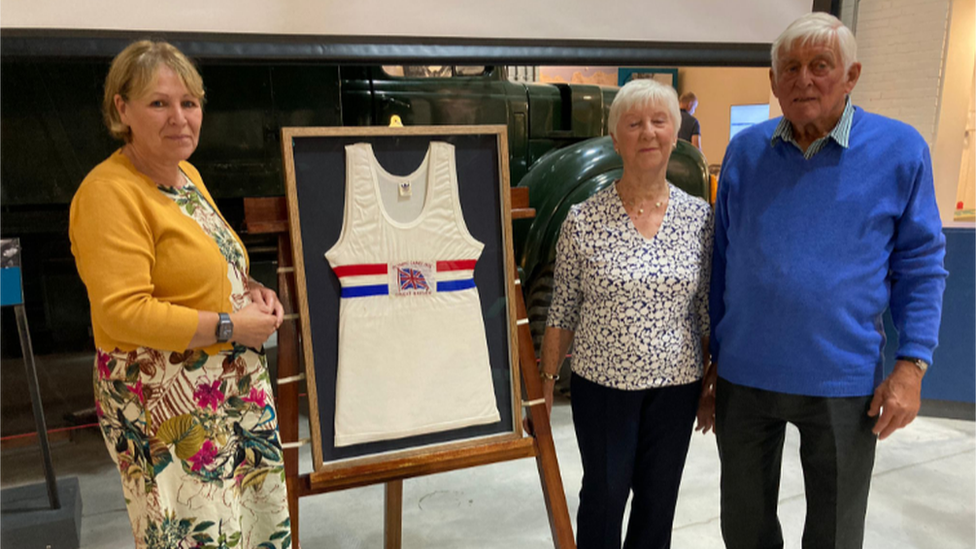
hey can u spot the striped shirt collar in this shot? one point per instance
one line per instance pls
(841, 133)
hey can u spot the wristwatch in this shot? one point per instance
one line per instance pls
(922, 365)
(225, 328)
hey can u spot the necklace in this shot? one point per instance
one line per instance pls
(640, 208)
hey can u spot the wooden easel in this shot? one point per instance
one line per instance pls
(270, 215)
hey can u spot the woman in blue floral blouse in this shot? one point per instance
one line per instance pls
(631, 295)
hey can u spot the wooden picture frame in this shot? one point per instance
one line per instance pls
(315, 174)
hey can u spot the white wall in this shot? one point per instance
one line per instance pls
(718, 88)
(950, 137)
(918, 60)
(660, 20)
(966, 195)
(901, 45)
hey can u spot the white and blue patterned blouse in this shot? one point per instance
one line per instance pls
(638, 306)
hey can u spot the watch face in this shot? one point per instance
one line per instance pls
(225, 328)
(921, 364)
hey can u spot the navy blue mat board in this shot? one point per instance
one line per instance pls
(320, 186)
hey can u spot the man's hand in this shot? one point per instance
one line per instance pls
(898, 399)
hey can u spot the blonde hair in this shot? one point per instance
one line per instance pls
(817, 28)
(134, 70)
(644, 92)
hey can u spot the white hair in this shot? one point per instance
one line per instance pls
(820, 29)
(643, 92)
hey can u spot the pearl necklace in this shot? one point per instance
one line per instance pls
(640, 208)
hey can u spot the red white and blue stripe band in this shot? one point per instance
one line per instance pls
(371, 279)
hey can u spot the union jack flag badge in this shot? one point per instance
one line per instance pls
(413, 278)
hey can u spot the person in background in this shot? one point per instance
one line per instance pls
(181, 383)
(825, 217)
(631, 287)
(690, 128)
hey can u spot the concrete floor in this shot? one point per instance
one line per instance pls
(923, 496)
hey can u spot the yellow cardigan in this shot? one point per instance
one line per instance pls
(148, 267)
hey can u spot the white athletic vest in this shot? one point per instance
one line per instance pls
(413, 357)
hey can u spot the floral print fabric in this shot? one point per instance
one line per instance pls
(195, 436)
(638, 306)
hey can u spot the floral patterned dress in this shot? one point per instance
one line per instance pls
(195, 436)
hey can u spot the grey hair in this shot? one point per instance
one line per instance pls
(820, 29)
(643, 92)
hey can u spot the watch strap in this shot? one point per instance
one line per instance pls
(918, 362)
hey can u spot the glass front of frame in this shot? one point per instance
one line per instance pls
(317, 195)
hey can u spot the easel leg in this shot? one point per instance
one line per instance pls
(293, 514)
(393, 523)
(552, 489)
(545, 449)
(288, 392)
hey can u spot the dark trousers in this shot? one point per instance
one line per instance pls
(630, 440)
(836, 453)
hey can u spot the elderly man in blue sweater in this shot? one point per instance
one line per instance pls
(824, 218)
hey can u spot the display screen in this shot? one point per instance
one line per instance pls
(743, 116)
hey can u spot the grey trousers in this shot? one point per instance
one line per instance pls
(836, 453)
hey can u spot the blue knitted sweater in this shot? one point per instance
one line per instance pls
(809, 254)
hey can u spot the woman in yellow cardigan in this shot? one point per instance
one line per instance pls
(181, 386)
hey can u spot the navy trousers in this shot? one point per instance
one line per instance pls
(630, 441)
(836, 452)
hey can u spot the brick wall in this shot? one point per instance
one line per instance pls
(901, 45)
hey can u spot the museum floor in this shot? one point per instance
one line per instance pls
(923, 495)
